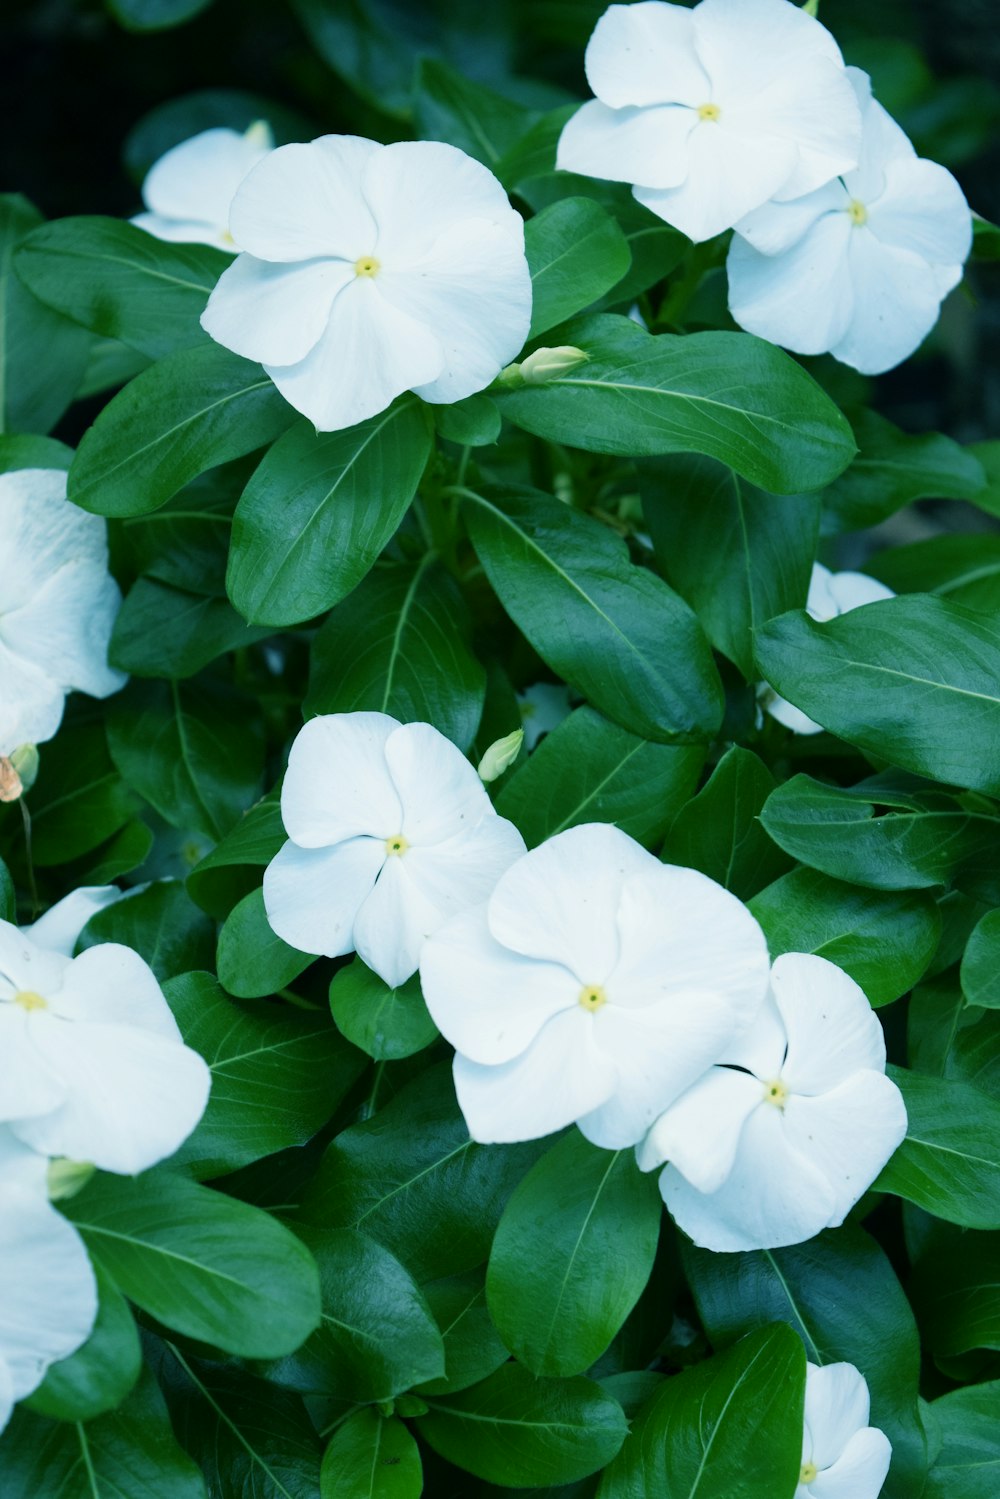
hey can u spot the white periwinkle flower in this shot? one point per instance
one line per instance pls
(860, 267)
(842, 1456)
(782, 1141)
(712, 111)
(390, 833)
(94, 1065)
(370, 270)
(58, 604)
(189, 190)
(48, 1295)
(594, 986)
(830, 595)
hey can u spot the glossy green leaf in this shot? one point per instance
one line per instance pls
(981, 964)
(893, 469)
(232, 869)
(949, 1162)
(100, 1374)
(162, 632)
(474, 422)
(719, 830)
(370, 1457)
(576, 252)
(963, 569)
(155, 15)
(572, 1255)
(79, 800)
(387, 1023)
(472, 1345)
(162, 926)
(968, 1463)
(251, 959)
(479, 121)
(956, 1289)
(950, 1038)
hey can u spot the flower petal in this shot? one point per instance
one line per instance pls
(560, 902)
(561, 1077)
(304, 201)
(42, 532)
(274, 311)
(837, 1406)
(28, 1085)
(813, 105)
(112, 984)
(312, 895)
(133, 1098)
(185, 231)
(761, 1049)
(851, 590)
(337, 784)
(897, 301)
(463, 870)
(647, 146)
(859, 1472)
(882, 143)
(802, 299)
(20, 1166)
(53, 1311)
(439, 791)
(700, 1133)
(66, 629)
(849, 1133)
(729, 174)
(197, 180)
(775, 227)
(922, 209)
(6, 1393)
(745, 45)
(489, 1002)
(31, 704)
(26, 965)
(422, 192)
(59, 928)
(645, 54)
(832, 1030)
(394, 922)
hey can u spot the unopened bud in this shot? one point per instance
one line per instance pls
(500, 756)
(18, 772)
(811, 7)
(66, 1178)
(549, 364)
(259, 134)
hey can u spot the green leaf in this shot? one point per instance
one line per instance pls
(186, 543)
(130, 1453)
(412, 1179)
(122, 283)
(155, 15)
(963, 569)
(42, 356)
(949, 1162)
(377, 1337)
(100, 1374)
(576, 252)
(728, 395)
(572, 1255)
(922, 838)
(523, 1432)
(737, 555)
(8, 895)
(189, 751)
(719, 830)
(981, 964)
(277, 1075)
(203, 1264)
(387, 1023)
(840, 1294)
(473, 423)
(231, 870)
(449, 107)
(884, 940)
(79, 799)
(472, 1345)
(956, 1287)
(910, 680)
(160, 924)
(730, 1428)
(893, 469)
(188, 413)
(950, 1038)
(319, 509)
(251, 959)
(20, 451)
(370, 1457)
(124, 852)
(615, 632)
(968, 1463)
(401, 644)
(591, 770)
(162, 632)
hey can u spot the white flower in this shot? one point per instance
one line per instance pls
(860, 267)
(58, 604)
(371, 270)
(543, 707)
(830, 595)
(710, 112)
(390, 833)
(782, 1141)
(94, 1065)
(593, 987)
(189, 190)
(48, 1295)
(842, 1456)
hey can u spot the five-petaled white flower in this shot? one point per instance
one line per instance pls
(94, 1066)
(390, 833)
(58, 604)
(842, 1456)
(781, 1141)
(860, 267)
(371, 270)
(830, 595)
(593, 987)
(188, 192)
(712, 111)
(48, 1295)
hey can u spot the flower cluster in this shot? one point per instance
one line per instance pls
(95, 1071)
(740, 114)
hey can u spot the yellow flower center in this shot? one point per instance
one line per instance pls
(592, 997)
(29, 1000)
(808, 1473)
(709, 112)
(776, 1093)
(367, 265)
(857, 212)
(397, 844)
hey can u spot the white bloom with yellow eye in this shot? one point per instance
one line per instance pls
(781, 1141)
(371, 270)
(94, 1065)
(593, 987)
(710, 112)
(390, 832)
(830, 595)
(842, 1456)
(48, 1295)
(188, 192)
(58, 605)
(859, 268)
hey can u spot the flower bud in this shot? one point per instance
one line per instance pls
(66, 1178)
(500, 756)
(18, 772)
(549, 364)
